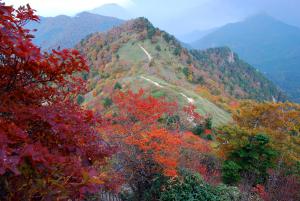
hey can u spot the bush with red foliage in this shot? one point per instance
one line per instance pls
(149, 140)
(49, 146)
(261, 191)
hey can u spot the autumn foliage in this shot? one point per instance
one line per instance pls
(149, 138)
(49, 146)
(280, 121)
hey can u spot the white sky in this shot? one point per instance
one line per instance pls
(68, 7)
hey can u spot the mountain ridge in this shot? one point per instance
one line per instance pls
(114, 10)
(266, 43)
(138, 55)
(65, 31)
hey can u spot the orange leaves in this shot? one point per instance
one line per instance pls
(162, 146)
(195, 143)
(170, 172)
(143, 136)
(261, 191)
(159, 145)
(144, 109)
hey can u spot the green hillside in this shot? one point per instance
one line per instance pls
(235, 72)
(137, 55)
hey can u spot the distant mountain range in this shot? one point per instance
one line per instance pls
(268, 44)
(64, 31)
(194, 35)
(218, 71)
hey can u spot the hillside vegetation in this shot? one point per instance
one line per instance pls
(70, 131)
(137, 55)
(240, 79)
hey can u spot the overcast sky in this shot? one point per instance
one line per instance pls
(48, 8)
(178, 16)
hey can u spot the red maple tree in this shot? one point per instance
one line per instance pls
(149, 135)
(49, 146)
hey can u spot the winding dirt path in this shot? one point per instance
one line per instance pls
(190, 100)
(153, 82)
(146, 52)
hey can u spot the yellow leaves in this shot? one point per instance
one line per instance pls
(191, 141)
(190, 77)
(230, 138)
(280, 121)
(96, 180)
(281, 117)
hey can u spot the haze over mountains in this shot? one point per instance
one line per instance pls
(64, 31)
(113, 10)
(101, 107)
(268, 44)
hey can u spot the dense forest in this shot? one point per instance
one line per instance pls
(61, 139)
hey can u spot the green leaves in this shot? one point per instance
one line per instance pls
(191, 187)
(255, 158)
(231, 172)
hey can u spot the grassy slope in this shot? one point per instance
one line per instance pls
(164, 72)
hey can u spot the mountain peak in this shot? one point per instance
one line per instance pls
(262, 17)
(85, 13)
(137, 26)
(142, 21)
(114, 10)
(265, 42)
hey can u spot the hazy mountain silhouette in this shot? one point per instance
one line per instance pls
(265, 42)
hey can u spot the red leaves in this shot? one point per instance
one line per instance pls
(260, 190)
(144, 109)
(146, 145)
(46, 141)
(161, 146)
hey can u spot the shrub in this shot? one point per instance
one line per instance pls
(231, 172)
(157, 47)
(80, 99)
(200, 80)
(118, 86)
(186, 71)
(254, 159)
(176, 51)
(191, 187)
(107, 102)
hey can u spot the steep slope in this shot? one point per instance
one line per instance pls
(240, 79)
(137, 55)
(65, 32)
(270, 45)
